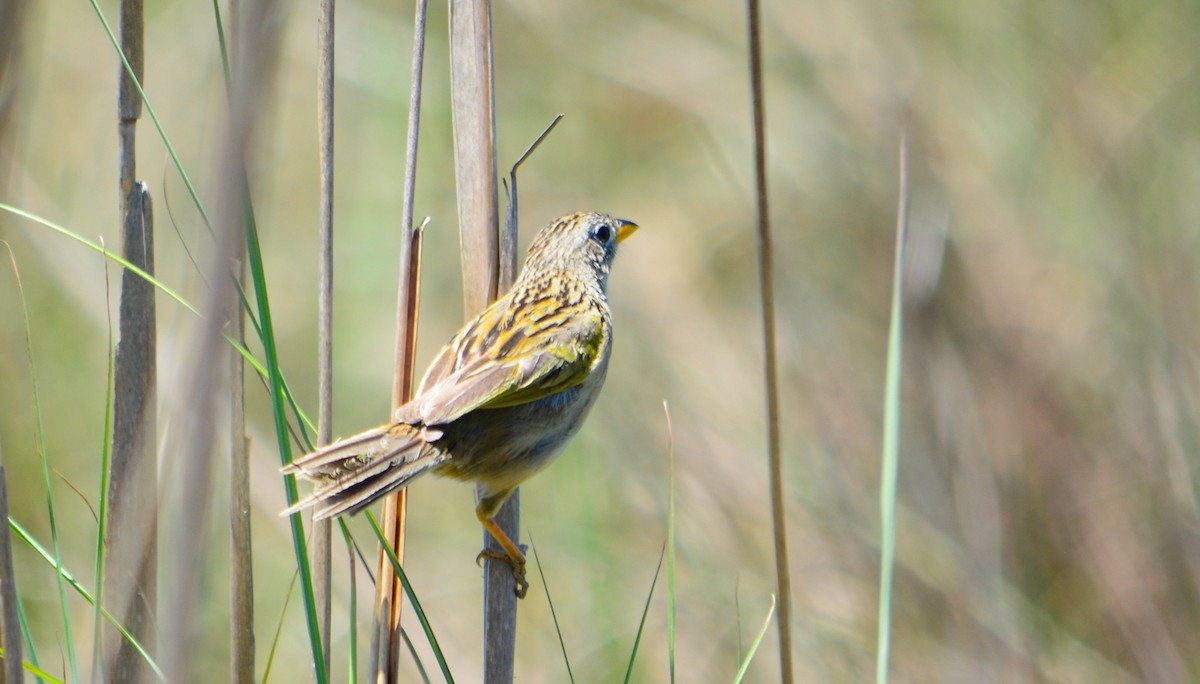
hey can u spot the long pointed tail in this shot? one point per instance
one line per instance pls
(352, 473)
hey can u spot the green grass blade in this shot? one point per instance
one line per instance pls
(223, 50)
(41, 447)
(40, 673)
(257, 365)
(102, 514)
(103, 252)
(353, 655)
(275, 380)
(66, 576)
(412, 597)
(25, 632)
(891, 432)
(287, 599)
(20, 606)
(412, 653)
(670, 543)
(553, 613)
(645, 611)
(741, 673)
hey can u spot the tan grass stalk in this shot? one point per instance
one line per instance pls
(12, 21)
(386, 638)
(254, 46)
(322, 530)
(241, 578)
(473, 98)
(771, 365)
(129, 582)
(10, 626)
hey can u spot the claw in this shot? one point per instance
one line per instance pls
(518, 565)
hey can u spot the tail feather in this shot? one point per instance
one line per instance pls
(382, 481)
(358, 470)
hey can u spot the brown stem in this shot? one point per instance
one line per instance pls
(386, 637)
(770, 365)
(322, 530)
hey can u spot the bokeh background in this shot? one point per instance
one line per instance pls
(1050, 446)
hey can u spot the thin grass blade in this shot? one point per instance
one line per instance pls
(645, 611)
(553, 614)
(102, 514)
(350, 553)
(670, 543)
(25, 632)
(891, 431)
(41, 446)
(275, 379)
(741, 673)
(412, 597)
(40, 673)
(412, 653)
(287, 600)
(67, 577)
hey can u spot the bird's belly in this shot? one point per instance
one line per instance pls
(504, 446)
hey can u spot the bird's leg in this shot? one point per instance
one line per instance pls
(513, 554)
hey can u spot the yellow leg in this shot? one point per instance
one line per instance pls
(513, 554)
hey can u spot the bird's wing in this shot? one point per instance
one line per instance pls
(493, 363)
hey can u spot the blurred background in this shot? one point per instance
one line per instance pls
(1050, 441)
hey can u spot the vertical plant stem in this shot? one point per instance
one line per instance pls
(193, 462)
(386, 637)
(891, 430)
(242, 646)
(12, 22)
(406, 298)
(253, 49)
(473, 103)
(322, 530)
(10, 624)
(670, 543)
(131, 530)
(770, 363)
(473, 100)
(241, 556)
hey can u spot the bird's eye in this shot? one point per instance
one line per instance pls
(603, 233)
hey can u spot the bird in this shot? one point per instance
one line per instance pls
(502, 398)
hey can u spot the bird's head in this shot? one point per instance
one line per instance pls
(582, 243)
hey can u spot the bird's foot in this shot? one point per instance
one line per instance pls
(521, 585)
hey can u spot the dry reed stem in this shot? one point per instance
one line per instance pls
(241, 580)
(254, 46)
(130, 575)
(12, 14)
(770, 365)
(10, 626)
(129, 582)
(473, 100)
(321, 551)
(386, 636)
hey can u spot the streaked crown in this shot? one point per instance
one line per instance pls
(582, 243)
